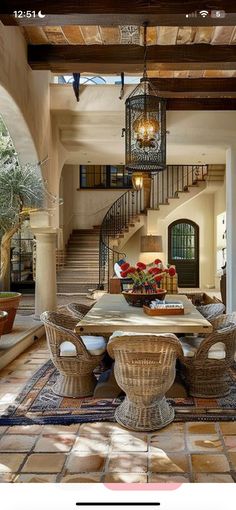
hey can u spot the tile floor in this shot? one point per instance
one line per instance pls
(105, 452)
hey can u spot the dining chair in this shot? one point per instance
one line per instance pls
(79, 310)
(144, 369)
(74, 356)
(206, 360)
(211, 311)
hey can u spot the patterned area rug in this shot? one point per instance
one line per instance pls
(37, 404)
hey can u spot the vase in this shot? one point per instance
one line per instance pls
(9, 302)
(139, 299)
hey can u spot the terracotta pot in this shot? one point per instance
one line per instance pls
(9, 302)
(3, 319)
(139, 299)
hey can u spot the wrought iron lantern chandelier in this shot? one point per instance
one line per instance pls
(145, 126)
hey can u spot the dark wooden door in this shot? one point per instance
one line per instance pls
(183, 251)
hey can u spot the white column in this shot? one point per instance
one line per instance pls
(231, 228)
(45, 284)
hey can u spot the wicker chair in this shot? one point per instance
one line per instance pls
(212, 310)
(75, 357)
(144, 370)
(206, 360)
(79, 310)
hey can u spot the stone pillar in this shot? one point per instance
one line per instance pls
(45, 279)
(231, 228)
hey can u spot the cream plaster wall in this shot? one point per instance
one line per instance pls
(219, 208)
(200, 210)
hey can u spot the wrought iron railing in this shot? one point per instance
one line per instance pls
(116, 221)
(167, 184)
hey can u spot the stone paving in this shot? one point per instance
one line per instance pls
(106, 452)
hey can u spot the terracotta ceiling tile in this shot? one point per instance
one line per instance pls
(152, 35)
(195, 74)
(35, 35)
(211, 73)
(73, 34)
(203, 35)
(110, 35)
(166, 74)
(55, 35)
(222, 35)
(167, 35)
(186, 35)
(91, 34)
(233, 37)
(181, 74)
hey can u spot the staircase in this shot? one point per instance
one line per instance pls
(81, 268)
(171, 187)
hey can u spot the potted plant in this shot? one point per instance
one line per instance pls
(146, 281)
(3, 319)
(22, 189)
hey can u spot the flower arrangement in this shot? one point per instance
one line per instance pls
(146, 277)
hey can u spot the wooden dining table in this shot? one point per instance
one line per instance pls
(112, 313)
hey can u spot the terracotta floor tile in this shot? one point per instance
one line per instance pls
(173, 428)
(212, 478)
(127, 463)
(125, 478)
(230, 443)
(3, 430)
(168, 478)
(55, 443)
(91, 444)
(228, 428)
(60, 429)
(17, 443)
(10, 462)
(35, 478)
(162, 462)
(87, 478)
(204, 463)
(197, 443)
(173, 443)
(232, 458)
(25, 429)
(201, 428)
(103, 428)
(44, 463)
(80, 462)
(129, 443)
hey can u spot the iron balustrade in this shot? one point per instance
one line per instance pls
(167, 184)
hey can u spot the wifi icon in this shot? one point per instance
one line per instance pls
(204, 14)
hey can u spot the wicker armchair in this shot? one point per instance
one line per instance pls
(75, 357)
(79, 310)
(212, 310)
(206, 360)
(144, 370)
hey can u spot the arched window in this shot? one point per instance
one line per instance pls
(183, 251)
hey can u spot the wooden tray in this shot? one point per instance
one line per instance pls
(163, 311)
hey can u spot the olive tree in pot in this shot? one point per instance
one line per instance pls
(21, 190)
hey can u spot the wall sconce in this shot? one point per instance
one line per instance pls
(137, 181)
(151, 243)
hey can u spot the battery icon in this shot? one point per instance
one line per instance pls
(218, 14)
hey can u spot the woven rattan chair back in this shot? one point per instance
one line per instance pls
(145, 370)
(208, 376)
(79, 310)
(76, 372)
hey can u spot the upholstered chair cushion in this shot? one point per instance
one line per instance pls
(95, 345)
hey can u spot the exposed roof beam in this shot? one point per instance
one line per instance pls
(190, 87)
(201, 104)
(115, 12)
(129, 58)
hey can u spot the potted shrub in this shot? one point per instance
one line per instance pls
(3, 319)
(22, 189)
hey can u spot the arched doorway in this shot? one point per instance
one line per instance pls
(183, 251)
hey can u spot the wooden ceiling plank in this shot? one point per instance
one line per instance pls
(73, 34)
(55, 35)
(185, 35)
(203, 35)
(222, 35)
(91, 35)
(110, 35)
(167, 35)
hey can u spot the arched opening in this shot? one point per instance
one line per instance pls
(183, 251)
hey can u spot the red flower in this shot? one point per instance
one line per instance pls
(152, 270)
(141, 265)
(172, 271)
(124, 266)
(157, 261)
(158, 278)
(131, 270)
(123, 274)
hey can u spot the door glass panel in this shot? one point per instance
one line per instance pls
(183, 242)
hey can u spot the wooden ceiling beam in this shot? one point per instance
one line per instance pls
(129, 58)
(113, 12)
(201, 104)
(205, 87)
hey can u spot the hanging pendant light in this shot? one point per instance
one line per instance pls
(137, 181)
(145, 125)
